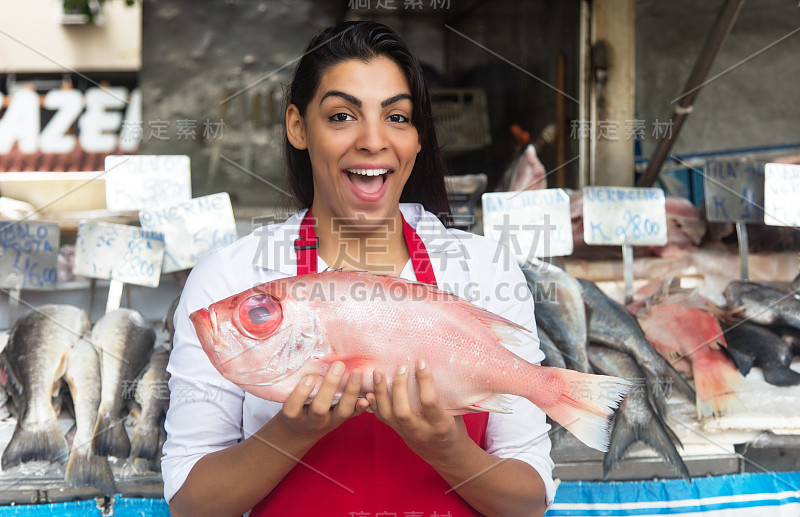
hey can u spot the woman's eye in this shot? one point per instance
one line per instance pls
(398, 118)
(341, 117)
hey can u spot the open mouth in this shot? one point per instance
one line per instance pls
(368, 181)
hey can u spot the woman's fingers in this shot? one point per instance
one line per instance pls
(294, 405)
(401, 404)
(380, 401)
(321, 405)
(348, 403)
(432, 409)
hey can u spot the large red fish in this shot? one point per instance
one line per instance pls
(681, 332)
(267, 338)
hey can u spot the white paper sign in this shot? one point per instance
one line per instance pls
(531, 223)
(28, 254)
(782, 194)
(119, 252)
(191, 228)
(734, 191)
(134, 182)
(624, 215)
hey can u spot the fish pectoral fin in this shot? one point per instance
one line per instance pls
(363, 363)
(493, 404)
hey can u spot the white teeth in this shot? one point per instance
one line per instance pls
(368, 172)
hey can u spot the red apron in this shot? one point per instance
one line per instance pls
(363, 468)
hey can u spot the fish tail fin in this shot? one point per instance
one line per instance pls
(780, 375)
(586, 405)
(144, 443)
(679, 382)
(110, 438)
(46, 443)
(656, 435)
(716, 389)
(87, 469)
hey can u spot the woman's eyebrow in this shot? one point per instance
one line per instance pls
(392, 100)
(346, 96)
(353, 100)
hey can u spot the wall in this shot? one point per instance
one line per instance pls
(754, 104)
(33, 40)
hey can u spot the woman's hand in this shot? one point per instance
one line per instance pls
(431, 431)
(321, 416)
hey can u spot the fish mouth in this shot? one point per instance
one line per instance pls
(205, 326)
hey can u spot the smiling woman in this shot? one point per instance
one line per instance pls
(363, 159)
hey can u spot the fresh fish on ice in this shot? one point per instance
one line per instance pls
(35, 360)
(125, 341)
(84, 467)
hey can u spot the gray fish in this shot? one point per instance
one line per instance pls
(125, 341)
(764, 305)
(611, 325)
(552, 355)
(637, 420)
(560, 310)
(169, 323)
(35, 360)
(84, 468)
(750, 344)
(151, 394)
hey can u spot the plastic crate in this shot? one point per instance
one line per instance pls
(462, 118)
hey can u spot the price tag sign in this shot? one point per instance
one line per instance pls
(624, 216)
(118, 252)
(28, 255)
(782, 194)
(531, 223)
(734, 191)
(191, 228)
(134, 182)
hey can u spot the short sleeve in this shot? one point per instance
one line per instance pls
(522, 434)
(205, 410)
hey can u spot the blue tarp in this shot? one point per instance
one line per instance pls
(123, 507)
(772, 494)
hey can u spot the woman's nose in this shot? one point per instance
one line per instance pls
(371, 137)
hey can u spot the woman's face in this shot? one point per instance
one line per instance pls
(360, 139)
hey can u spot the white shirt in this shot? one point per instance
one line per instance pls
(208, 413)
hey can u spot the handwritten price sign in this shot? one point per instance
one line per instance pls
(191, 228)
(734, 191)
(119, 252)
(624, 215)
(782, 194)
(134, 182)
(533, 223)
(28, 255)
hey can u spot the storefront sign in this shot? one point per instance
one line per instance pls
(99, 114)
(624, 216)
(28, 255)
(119, 252)
(191, 228)
(734, 191)
(147, 181)
(531, 223)
(782, 194)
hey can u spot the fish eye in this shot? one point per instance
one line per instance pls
(260, 315)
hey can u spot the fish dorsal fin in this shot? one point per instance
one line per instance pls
(505, 329)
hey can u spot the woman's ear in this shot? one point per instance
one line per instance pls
(295, 128)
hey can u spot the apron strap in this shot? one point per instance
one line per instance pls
(307, 244)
